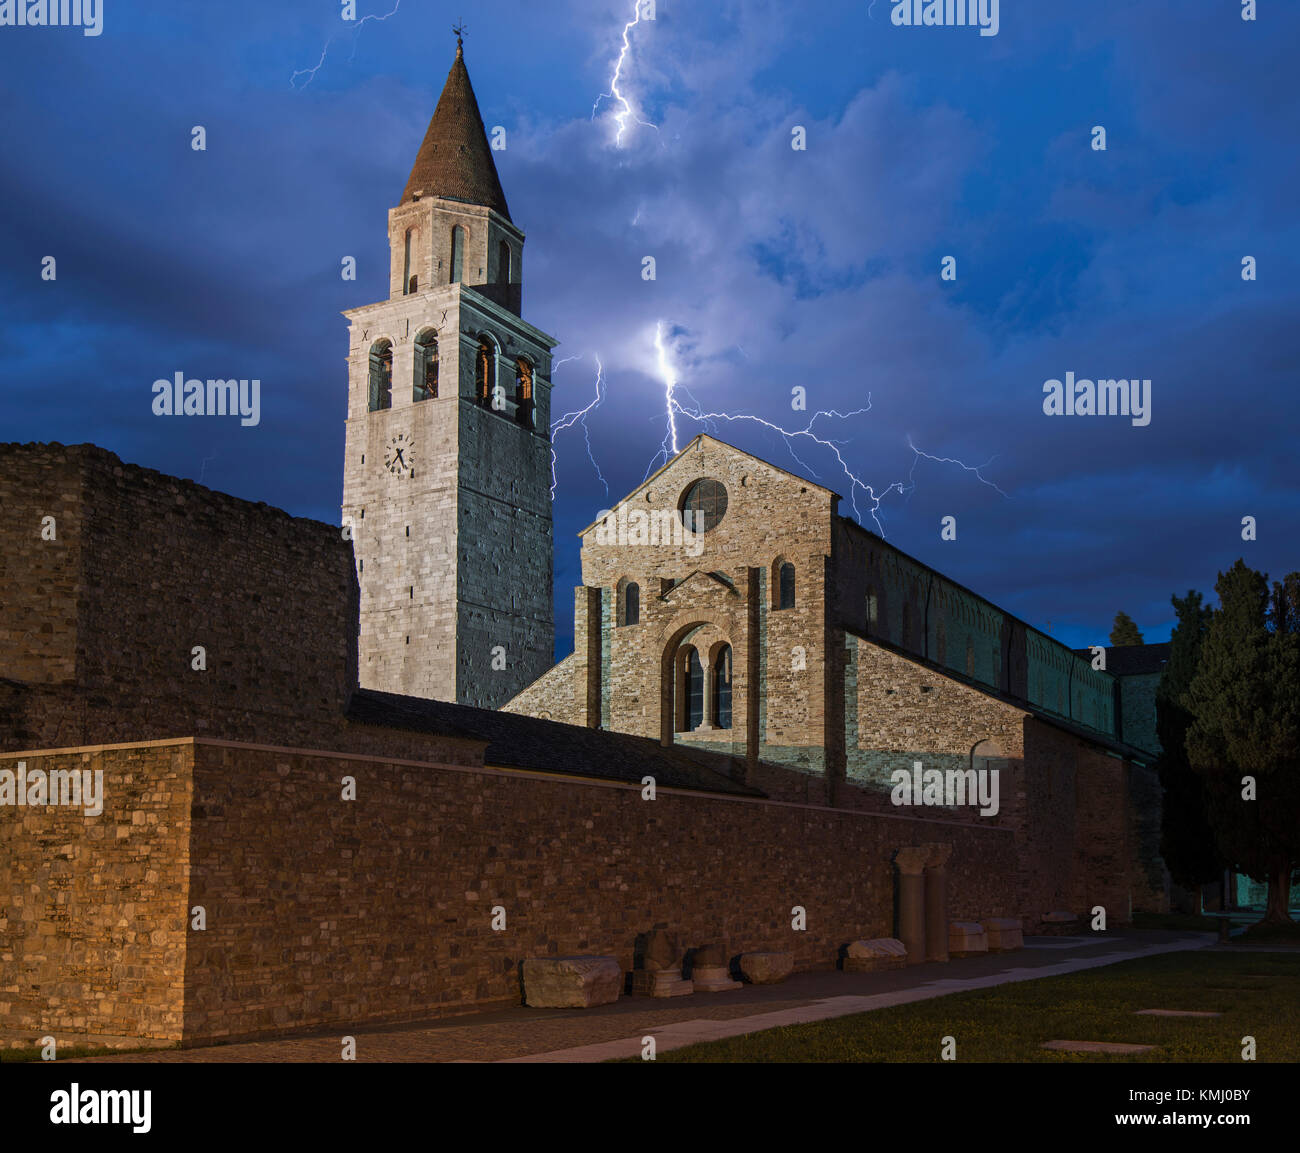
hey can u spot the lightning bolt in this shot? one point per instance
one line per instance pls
(790, 436)
(615, 93)
(569, 419)
(310, 73)
(952, 460)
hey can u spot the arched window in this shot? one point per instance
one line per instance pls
(783, 584)
(722, 688)
(381, 375)
(484, 369)
(503, 262)
(408, 284)
(693, 690)
(457, 254)
(970, 657)
(703, 505)
(629, 605)
(524, 391)
(425, 384)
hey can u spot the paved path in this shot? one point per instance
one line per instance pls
(521, 1034)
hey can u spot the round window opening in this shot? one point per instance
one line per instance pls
(703, 505)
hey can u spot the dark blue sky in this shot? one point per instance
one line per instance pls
(775, 268)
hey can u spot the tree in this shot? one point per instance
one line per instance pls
(1187, 841)
(1245, 703)
(1124, 631)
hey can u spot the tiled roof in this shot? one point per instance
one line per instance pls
(455, 159)
(521, 742)
(1133, 660)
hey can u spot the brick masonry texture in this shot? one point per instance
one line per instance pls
(321, 910)
(93, 909)
(381, 908)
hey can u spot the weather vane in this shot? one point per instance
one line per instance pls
(460, 31)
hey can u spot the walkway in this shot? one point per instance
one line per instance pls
(522, 1034)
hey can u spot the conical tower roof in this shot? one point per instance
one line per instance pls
(455, 159)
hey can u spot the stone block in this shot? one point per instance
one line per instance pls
(713, 979)
(875, 955)
(766, 968)
(571, 982)
(1058, 922)
(660, 983)
(1004, 934)
(966, 939)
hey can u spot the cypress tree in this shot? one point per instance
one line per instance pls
(1245, 704)
(1187, 842)
(1124, 631)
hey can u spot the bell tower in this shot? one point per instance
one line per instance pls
(447, 477)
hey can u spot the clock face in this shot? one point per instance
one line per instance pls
(399, 456)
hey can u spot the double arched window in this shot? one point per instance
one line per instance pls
(692, 689)
(381, 375)
(425, 382)
(722, 688)
(485, 369)
(524, 390)
(782, 584)
(629, 603)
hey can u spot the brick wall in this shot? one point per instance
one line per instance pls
(147, 567)
(323, 911)
(382, 907)
(93, 908)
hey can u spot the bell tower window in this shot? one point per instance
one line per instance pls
(425, 384)
(381, 375)
(408, 281)
(503, 262)
(524, 391)
(457, 254)
(484, 365)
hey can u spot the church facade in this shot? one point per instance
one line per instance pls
(324, 830)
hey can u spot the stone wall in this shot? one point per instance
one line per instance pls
(93, 908)
(382, 907)
(145, 569)
(40, 563)
(323, 911)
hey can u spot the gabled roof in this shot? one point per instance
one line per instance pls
(455, 160)
(1133, 660)
(714, 578)
(724, 444)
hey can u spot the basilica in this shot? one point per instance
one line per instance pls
(344, 781)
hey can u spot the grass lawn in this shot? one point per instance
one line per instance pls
(1192, 921)
(1258, 994)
